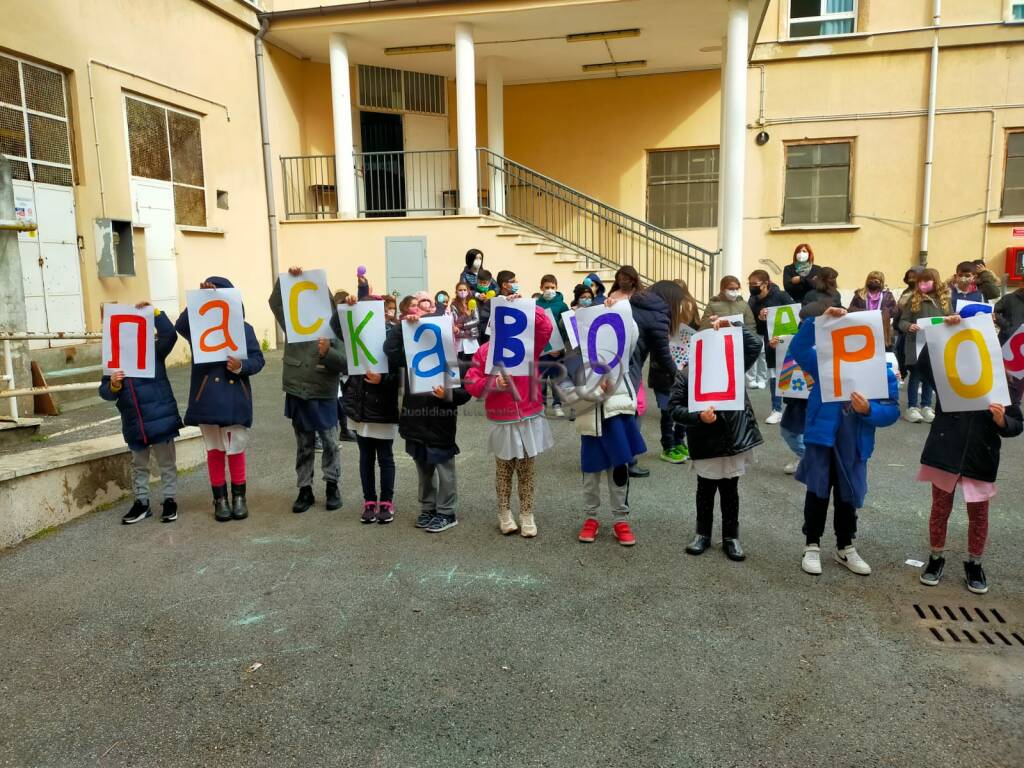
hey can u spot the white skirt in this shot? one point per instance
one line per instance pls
(468, 346)
(231, 439)
(722, 467)
(520, 439)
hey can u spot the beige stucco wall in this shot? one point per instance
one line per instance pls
(205, 49)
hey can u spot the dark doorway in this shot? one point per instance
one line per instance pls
(383, 172)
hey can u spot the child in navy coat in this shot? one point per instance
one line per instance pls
(149, 423)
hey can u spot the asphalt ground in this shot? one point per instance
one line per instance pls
(386, 646)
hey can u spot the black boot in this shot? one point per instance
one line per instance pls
(239, 510)
(221, 509)
(304, 500)
(333, 496)
(699, 545)
(733, 550)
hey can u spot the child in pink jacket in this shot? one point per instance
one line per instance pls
(519, 431)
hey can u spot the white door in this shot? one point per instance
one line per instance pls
(154, 208)
(50, 267)
(427, 172)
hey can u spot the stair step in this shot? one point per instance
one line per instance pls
(506, 232)
(550, 250)
(532, 240)
(566, 258)
(488, 224)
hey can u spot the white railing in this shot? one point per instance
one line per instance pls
(13, 393)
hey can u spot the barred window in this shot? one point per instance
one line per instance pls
(682, 188)
(1013, 177)
(35, 132)
(166, 144)
(400, 90)
(817, 183)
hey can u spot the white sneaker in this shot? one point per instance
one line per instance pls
(774, 417)
(527, 527)
(762, 385)
(927, 415)
(913, 415)
(811, 562)
(506, 523)
(852, 560)
(559, 412)
(790, 469)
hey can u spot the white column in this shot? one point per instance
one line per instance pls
(465, 97)
(341, 110)
(721, 158)
(496, 131)
(734, 135)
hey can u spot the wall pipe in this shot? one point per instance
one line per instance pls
(268, 173)
(929, 143)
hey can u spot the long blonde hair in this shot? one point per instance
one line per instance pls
(862, 292)
(940, 291)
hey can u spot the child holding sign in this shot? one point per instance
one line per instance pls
(519, 432)
(963, 449)
(721, 446)
(149, 423)
(839, 438)
(220, 404)
(550, 363)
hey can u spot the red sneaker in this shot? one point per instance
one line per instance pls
(589, 530)
(624, 534)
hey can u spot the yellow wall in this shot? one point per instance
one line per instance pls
(179, 45)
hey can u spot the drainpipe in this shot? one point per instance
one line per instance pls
(261, 88)
(933, 78)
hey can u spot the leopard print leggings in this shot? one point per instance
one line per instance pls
(503, 471)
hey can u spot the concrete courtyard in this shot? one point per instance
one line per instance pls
(385, 646)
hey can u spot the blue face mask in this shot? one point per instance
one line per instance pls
(585, 302)
(514, 287)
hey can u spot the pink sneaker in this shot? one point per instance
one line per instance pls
(385, 512)
(369, 512)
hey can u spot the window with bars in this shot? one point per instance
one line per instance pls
(817, 183)
(166, 144)
(401, 90)
(1013, 175)
(822, 18)
(682, 188)
(35, 130)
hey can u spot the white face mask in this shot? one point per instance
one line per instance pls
(549, 294)
(802, 256)
(732, 294)
(478, 262)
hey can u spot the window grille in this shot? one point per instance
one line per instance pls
(399, 90)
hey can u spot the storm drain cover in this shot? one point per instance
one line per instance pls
(969, 627)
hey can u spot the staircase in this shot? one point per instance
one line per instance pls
(531, 241)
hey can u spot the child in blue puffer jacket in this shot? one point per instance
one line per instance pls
(149, 423)
(839, 438)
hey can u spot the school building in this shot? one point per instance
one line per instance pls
(157, 143)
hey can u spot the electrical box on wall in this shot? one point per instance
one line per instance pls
(115, 248)
(1015, 263)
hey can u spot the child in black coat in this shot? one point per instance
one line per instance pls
(721, 445)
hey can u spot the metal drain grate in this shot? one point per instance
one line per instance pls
(966, 627)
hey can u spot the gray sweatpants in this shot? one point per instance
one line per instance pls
(437, 487)
(164, 453)
(618, 495)
(305, 455)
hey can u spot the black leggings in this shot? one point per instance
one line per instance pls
(729, 491)
(844, 518)
(371, 453)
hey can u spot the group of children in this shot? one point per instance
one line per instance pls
(833, 441)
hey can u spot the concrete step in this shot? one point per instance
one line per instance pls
(505, 231)
(565, 257)
(547, 249)
(532, 240)
(18, 432)
(488, 224)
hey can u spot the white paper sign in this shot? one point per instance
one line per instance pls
(512, 329)
(430, 354)
(1013, 354)
(606, 342)
(791, 381)
(924, 324)
(716, 370)
(571, 328)
(363, 330)
(851, 356)
(308, 305)
(967, 365)
(555, 344)
(216, 323)
(985, 307)
(128, 343)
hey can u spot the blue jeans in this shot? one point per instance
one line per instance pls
(795, 441)
(916, 380)
(776, 400)
(672, 434)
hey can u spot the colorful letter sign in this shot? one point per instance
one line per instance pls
(716, 370)
(1013, 354)
(851, 356)
(308, 305)
(605, 334)
(363, 329)
(572, 330)
(128, 343)
(784, 320)
(967, 365)
(791, 380)
(217, 325)
(512, 327)
(430, 353)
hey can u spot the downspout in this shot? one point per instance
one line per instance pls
(929, 146)
(261, 88)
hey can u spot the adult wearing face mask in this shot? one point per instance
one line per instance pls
(763, 295)
(874, 295)
(728, 301)
(474, 263)
(798, 276)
